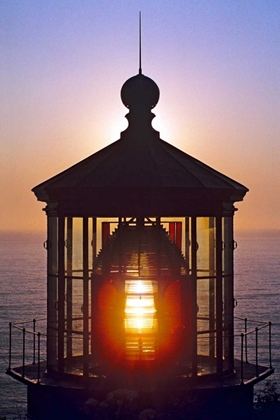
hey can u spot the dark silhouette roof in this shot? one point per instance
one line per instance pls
(140, 172)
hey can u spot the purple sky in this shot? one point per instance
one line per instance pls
(216, 62)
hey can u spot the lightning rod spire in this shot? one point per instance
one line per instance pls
(140, 45)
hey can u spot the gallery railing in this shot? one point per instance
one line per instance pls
(31, 345)
(255, 348)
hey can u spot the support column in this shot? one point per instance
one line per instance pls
(85, 299)
(122, 268)
(61, 292)
(94, 241)
(69, 293)
(158, 246)
(52, 291)
(212, 287)
(228, 294)
(187, 243)
(194, 295)
(219, 295)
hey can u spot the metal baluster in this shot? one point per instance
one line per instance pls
(10, 346)
(246, 341)
(38, 379)
(257, 361)
(269, 339)
(242, 345)
(34, 340)
(23, 352)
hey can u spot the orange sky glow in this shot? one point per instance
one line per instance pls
(216, 64)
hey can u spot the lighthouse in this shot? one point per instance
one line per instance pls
(140, 280)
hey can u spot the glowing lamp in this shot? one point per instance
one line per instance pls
(140, 320)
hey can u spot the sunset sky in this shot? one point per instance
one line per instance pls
(63, 63)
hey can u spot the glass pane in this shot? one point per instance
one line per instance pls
(77, 262)
(205, 246)
(77, 317)
(206, 323)
(206, 287)
(104, 227)
(52, 290)
(227, 232)
(52, 245)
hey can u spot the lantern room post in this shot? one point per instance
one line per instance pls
(212, 242)
(121, 262)
(69, 282)
(61, 291)
(194, 294)
(187, 243)
(85, 299)
(219, 295)
(52, 282)
(93, 241)
(228, 286)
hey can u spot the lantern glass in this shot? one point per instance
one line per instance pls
(206, 286)
(134, 290)
(228, 297)
(52, 291)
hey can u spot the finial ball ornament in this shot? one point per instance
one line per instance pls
(140, 91)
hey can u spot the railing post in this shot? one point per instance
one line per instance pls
(257, 361)
(269, 340)
(23, 352)
(246, 342)
(10, 346)
(39, 356)
(242, 345)
(34, 340)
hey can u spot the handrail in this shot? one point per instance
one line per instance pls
(254, 329)
(36, 350)
(250, 320)
(244, 344)
(29, 321)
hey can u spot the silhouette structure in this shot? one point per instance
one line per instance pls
(140, 280)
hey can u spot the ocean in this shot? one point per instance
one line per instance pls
(23, 295)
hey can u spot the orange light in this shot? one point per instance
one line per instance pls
(140, 319)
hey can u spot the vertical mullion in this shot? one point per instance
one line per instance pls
(211, 287)
(158, 247)
(187, 244)
(93, 288)
(61, 293)
(85, 299)
(52, 291)
(194, 294)
(69, 253)
(94, 239)
(219, 295)
(122, 268)
(228, 258)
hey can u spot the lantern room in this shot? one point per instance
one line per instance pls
(140, 256)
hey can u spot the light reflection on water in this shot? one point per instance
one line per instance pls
(23, 294)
